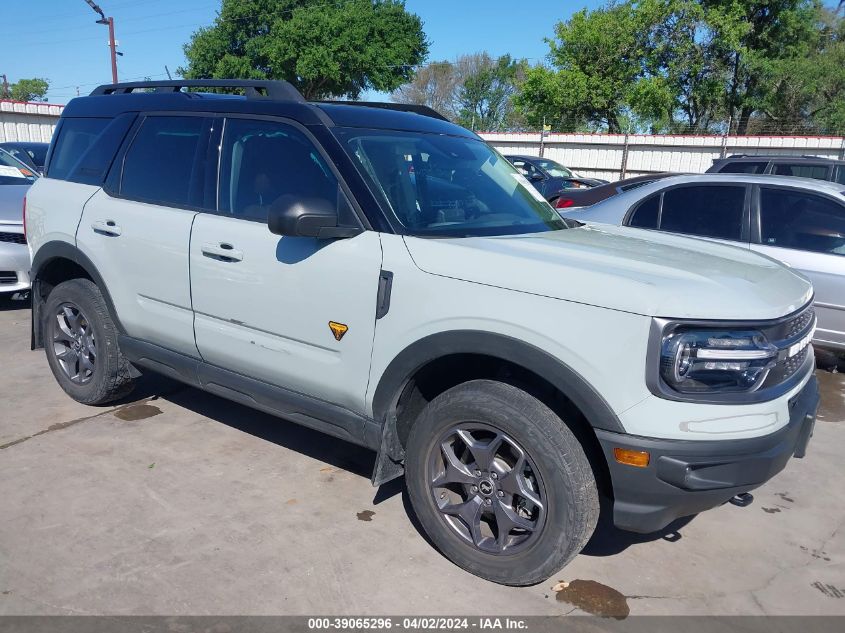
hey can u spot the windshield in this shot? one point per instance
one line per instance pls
(555, 170)
(14, 172)
(449, 186)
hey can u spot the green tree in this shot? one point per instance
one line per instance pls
(485, 91)
(29, 90)
(326, 49)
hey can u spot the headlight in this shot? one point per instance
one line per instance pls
(715, 361)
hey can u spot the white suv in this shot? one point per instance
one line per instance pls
(375, 272)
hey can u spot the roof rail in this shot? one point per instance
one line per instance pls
(784, 156)
(253, 88)
(399, 107)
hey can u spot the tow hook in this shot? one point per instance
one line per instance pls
(742, 500)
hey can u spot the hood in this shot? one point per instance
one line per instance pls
(633, 270)
(11, 202)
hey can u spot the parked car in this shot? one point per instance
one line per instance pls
(15, 180)
(574, 198)
(549, 177)
(513, 364)
(31, 154)
(796, 220)
(780, 165)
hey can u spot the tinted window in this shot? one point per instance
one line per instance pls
(91, 168)
(743, 167)
(645, 215)
(160, 164)
(706, 210)
(840, 174)
(803, 221)
(263, 161)
(74, 139)
(801, 170)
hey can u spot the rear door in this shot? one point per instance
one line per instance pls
(807, 231)
(264, 303)
(137, 229)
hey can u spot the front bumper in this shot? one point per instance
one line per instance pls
(685, 477)
(14, 266)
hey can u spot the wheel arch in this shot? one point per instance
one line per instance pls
(53, 263)
(441, 361)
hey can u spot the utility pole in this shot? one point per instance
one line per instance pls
(112, 45)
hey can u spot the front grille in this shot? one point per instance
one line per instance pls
(784, 335)
(8, 277)
(13, 238)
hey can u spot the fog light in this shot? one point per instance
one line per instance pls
(631, 458)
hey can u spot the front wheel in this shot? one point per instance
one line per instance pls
(499, 483)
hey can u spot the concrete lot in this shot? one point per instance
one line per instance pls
(178, 502)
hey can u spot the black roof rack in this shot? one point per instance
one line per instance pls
(253, 88)
(399, 107)
(786, 156)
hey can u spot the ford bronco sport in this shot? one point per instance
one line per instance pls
(380, 274)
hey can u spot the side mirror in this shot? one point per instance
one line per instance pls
(536, 177)
(306, 217)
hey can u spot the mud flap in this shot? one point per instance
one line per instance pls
(391, 455)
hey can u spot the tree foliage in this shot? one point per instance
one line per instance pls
(34, 89)
(696, 65)
(476, 90)
(325, 48)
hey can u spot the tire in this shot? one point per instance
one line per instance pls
(557, 475)
(80, 338)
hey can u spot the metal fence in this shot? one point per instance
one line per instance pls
(28, 121)
(615, 156)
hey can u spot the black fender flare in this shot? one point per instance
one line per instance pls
(589, 401)
(48, 252)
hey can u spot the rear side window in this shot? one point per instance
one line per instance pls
(840, 174)
(801, 170)
(263, 161)
(73, 140)
(743, 167)
(706, 210)
(161, 164)
(802, 221)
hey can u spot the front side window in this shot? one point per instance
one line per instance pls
(160, 165)
(262, 161)
(744, 167)
(556, 170)
(801, 221)
(442, 185)
(801, 170)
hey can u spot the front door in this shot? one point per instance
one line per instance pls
(264, 303)
(807, 231)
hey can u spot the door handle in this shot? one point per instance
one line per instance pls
(106, 227)
(223, 251)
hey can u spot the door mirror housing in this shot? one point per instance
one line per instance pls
(293, 216)
(536, 177)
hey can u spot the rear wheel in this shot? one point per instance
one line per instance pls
(80, 340)
(500, 483)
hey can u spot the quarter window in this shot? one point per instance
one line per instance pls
(263, 161)
(161, 165)
(645, 215)
(73, 141)
(801, 221)
(744, 167)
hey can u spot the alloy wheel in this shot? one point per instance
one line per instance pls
(487, 489)
(74, 344)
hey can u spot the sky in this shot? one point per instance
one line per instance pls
(61, 41)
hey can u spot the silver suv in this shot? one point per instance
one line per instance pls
(380, 274)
